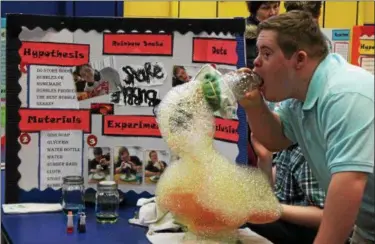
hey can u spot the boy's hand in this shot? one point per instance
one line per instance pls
(252, 98)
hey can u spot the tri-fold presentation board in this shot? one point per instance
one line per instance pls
(363, 47)
(338, 41)
(81, 94)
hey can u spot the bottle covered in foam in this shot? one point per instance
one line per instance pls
(240, 83)
(233, 87)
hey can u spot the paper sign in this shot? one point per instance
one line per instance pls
(367, 31)
(341, 35)
(135, 96)
(129, 125)
(367, 47)
(59, 54)
(215, 50)
(342, 48)
(51, 87)
(148, 74)
(138, 44)
(60, 155)
(33, 120)
(367, 62)
(362, 44)
(226, 130)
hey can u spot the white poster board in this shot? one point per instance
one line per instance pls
(87, 102)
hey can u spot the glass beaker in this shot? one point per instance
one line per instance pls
(73, 194)
(107, 202)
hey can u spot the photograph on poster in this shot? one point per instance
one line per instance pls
(184, 73)
(92, 82)
(101, 108)
(156, 161)
(99, 164)
(128, 167)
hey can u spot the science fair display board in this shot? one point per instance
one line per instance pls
(338, 41)
(363, 47)
(81, 94)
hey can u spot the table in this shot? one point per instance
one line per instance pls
(50, 228)
(119, 181)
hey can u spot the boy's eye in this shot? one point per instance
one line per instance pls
(266, 54)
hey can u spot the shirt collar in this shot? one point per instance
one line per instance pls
(318, 80)
(253, 20)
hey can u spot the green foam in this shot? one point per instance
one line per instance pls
(211, 90)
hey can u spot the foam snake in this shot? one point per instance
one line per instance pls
(203, 189)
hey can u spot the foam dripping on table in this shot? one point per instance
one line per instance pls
(207, 194)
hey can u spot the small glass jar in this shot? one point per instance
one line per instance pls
(73, 194)
(107, 202)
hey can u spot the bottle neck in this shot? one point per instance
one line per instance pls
(107, 187)
(73, 180)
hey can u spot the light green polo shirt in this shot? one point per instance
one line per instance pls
(335, 128)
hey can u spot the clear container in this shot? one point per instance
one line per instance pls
(73, 194)
(241, 82)
(238, 84)
(107, 202)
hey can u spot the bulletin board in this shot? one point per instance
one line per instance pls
(363, 48)
(338, 41)
(81, 94)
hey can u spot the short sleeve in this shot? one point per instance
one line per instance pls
(348, 125)
(285, 114)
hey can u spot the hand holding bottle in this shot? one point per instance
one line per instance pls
(253, 96)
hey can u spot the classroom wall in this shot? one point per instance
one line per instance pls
(334, 14)
(67, 8)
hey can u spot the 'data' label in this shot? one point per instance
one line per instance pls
(215, 50)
